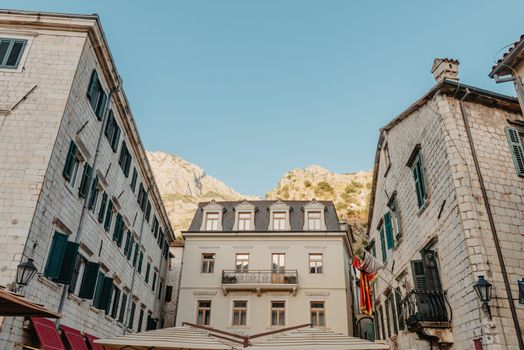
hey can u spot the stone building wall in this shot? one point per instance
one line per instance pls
(455, 216)
(173, 280)
(43, 126)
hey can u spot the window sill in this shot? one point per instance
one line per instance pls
(398, 243)
(423, 208)
(387, 170)
(74, 298)
(44, 280)
(94, 309)
(109, 318)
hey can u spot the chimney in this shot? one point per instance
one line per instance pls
(445, 68)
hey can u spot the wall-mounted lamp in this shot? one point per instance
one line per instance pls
(483, 289)
(24, 273)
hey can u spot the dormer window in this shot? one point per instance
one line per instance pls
(279, 220)
(212, 217)
(212, 221)
(313, 220)
(244, 221)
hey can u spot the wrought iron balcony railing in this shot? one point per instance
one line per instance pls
(259, 277)
(425, 306)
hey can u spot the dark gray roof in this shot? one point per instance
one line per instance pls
(296, 215)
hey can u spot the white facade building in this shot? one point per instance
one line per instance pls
(250, 267)
(76, 191)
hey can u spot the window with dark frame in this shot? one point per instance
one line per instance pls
(204, 312)
(317, 312)
(112, 131)
(242, 262)
(125, 159)
(11, 51)
(239, 313)
(96, 95)
(278, 313)
(208, 262)
(316, 263)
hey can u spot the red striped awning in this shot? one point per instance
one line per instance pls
(91, 339)
(47, 334)
(74, 338)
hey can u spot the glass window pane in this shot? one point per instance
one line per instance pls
(4, 45)
(14, 56)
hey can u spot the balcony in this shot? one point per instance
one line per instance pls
(259, 281)
(427, 313)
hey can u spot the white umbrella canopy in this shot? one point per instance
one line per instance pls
(175, 338)
(315, 339)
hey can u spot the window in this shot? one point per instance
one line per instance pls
(383, 244)
(148, 268)
(418, 175)
(515, 140)
(208, 262)
(153, 285)
(83, 190)
(318, 317)
(116, 299)
(78, 273)
(140, 320)
(102, 296)
(386, 309)
(132, 315)
(316, 263)
(125, 159)
(61, 259)
(278, 262)
(11, 52)
(71, 164)
(244, 221)
(204, 312)
(169, 293)
(89, 278)
(133, 180)
(387, 159)
(91, 205)
(135, 256)
(148, 211)
(160, 289)
(154, 227)
(112, 131)
(128, 247)
(118, 231)
(140, 260)
(393, 312)
(398, 302)
(211, 221)
(96, 96)
(393, 206)
(122, 308)
(278, 313)
(109, 216)
(388, 227)
(142, 197)
(239, 313)
(102, 209)
(313, 220)
(242, 262)
(279, 220)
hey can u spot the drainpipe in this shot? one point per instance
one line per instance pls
(491, 224)
(86, 200)
(130, 299)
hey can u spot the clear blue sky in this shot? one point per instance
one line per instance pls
(250, 89)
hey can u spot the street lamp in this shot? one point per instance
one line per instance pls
(483, 289)
(25, 272)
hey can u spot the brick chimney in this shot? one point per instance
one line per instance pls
(445, 68)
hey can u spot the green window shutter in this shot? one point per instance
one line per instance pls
(114, 306)
(87, 288)
(140, 320)
(132, 315)
(68, 263)
(122, 308)
(109, 216)
(116, 230)
(56, 256)
(70, 160)
(92, 85)
(383, 245)
(135, 257)
(93, 194)
(389, 230)
(110, 126)
(517, 152)
(98, 290)
(102, 209)
(101, 105)
(116, 138)
(105, 294)
(148, 267)
(83, 190)
(153, 285)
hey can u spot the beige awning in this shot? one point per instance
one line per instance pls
(12, 304)
(315, 339)
(165, 339)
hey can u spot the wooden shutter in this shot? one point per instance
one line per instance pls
(109, 216)
(70, 160)
(101, 105)
(92, 85)
(140, 320)
(110, 126)
(93, 193)
(55, 257)
(116, 230)
(116, 137)
(87, 288)
(83, 190)
(419, 275)
(389, 230)
(102, 209)
(398, 301)
(98, 290)
(148, 268)
(431, 270)
(516, 149)
(122, 308)
(132, 315)
(68, 263)
(383, 244)
(105, 294)
(140, 260)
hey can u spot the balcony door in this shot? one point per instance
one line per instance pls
(278, 267)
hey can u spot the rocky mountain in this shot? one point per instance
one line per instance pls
(349, 192)
(183, 184)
